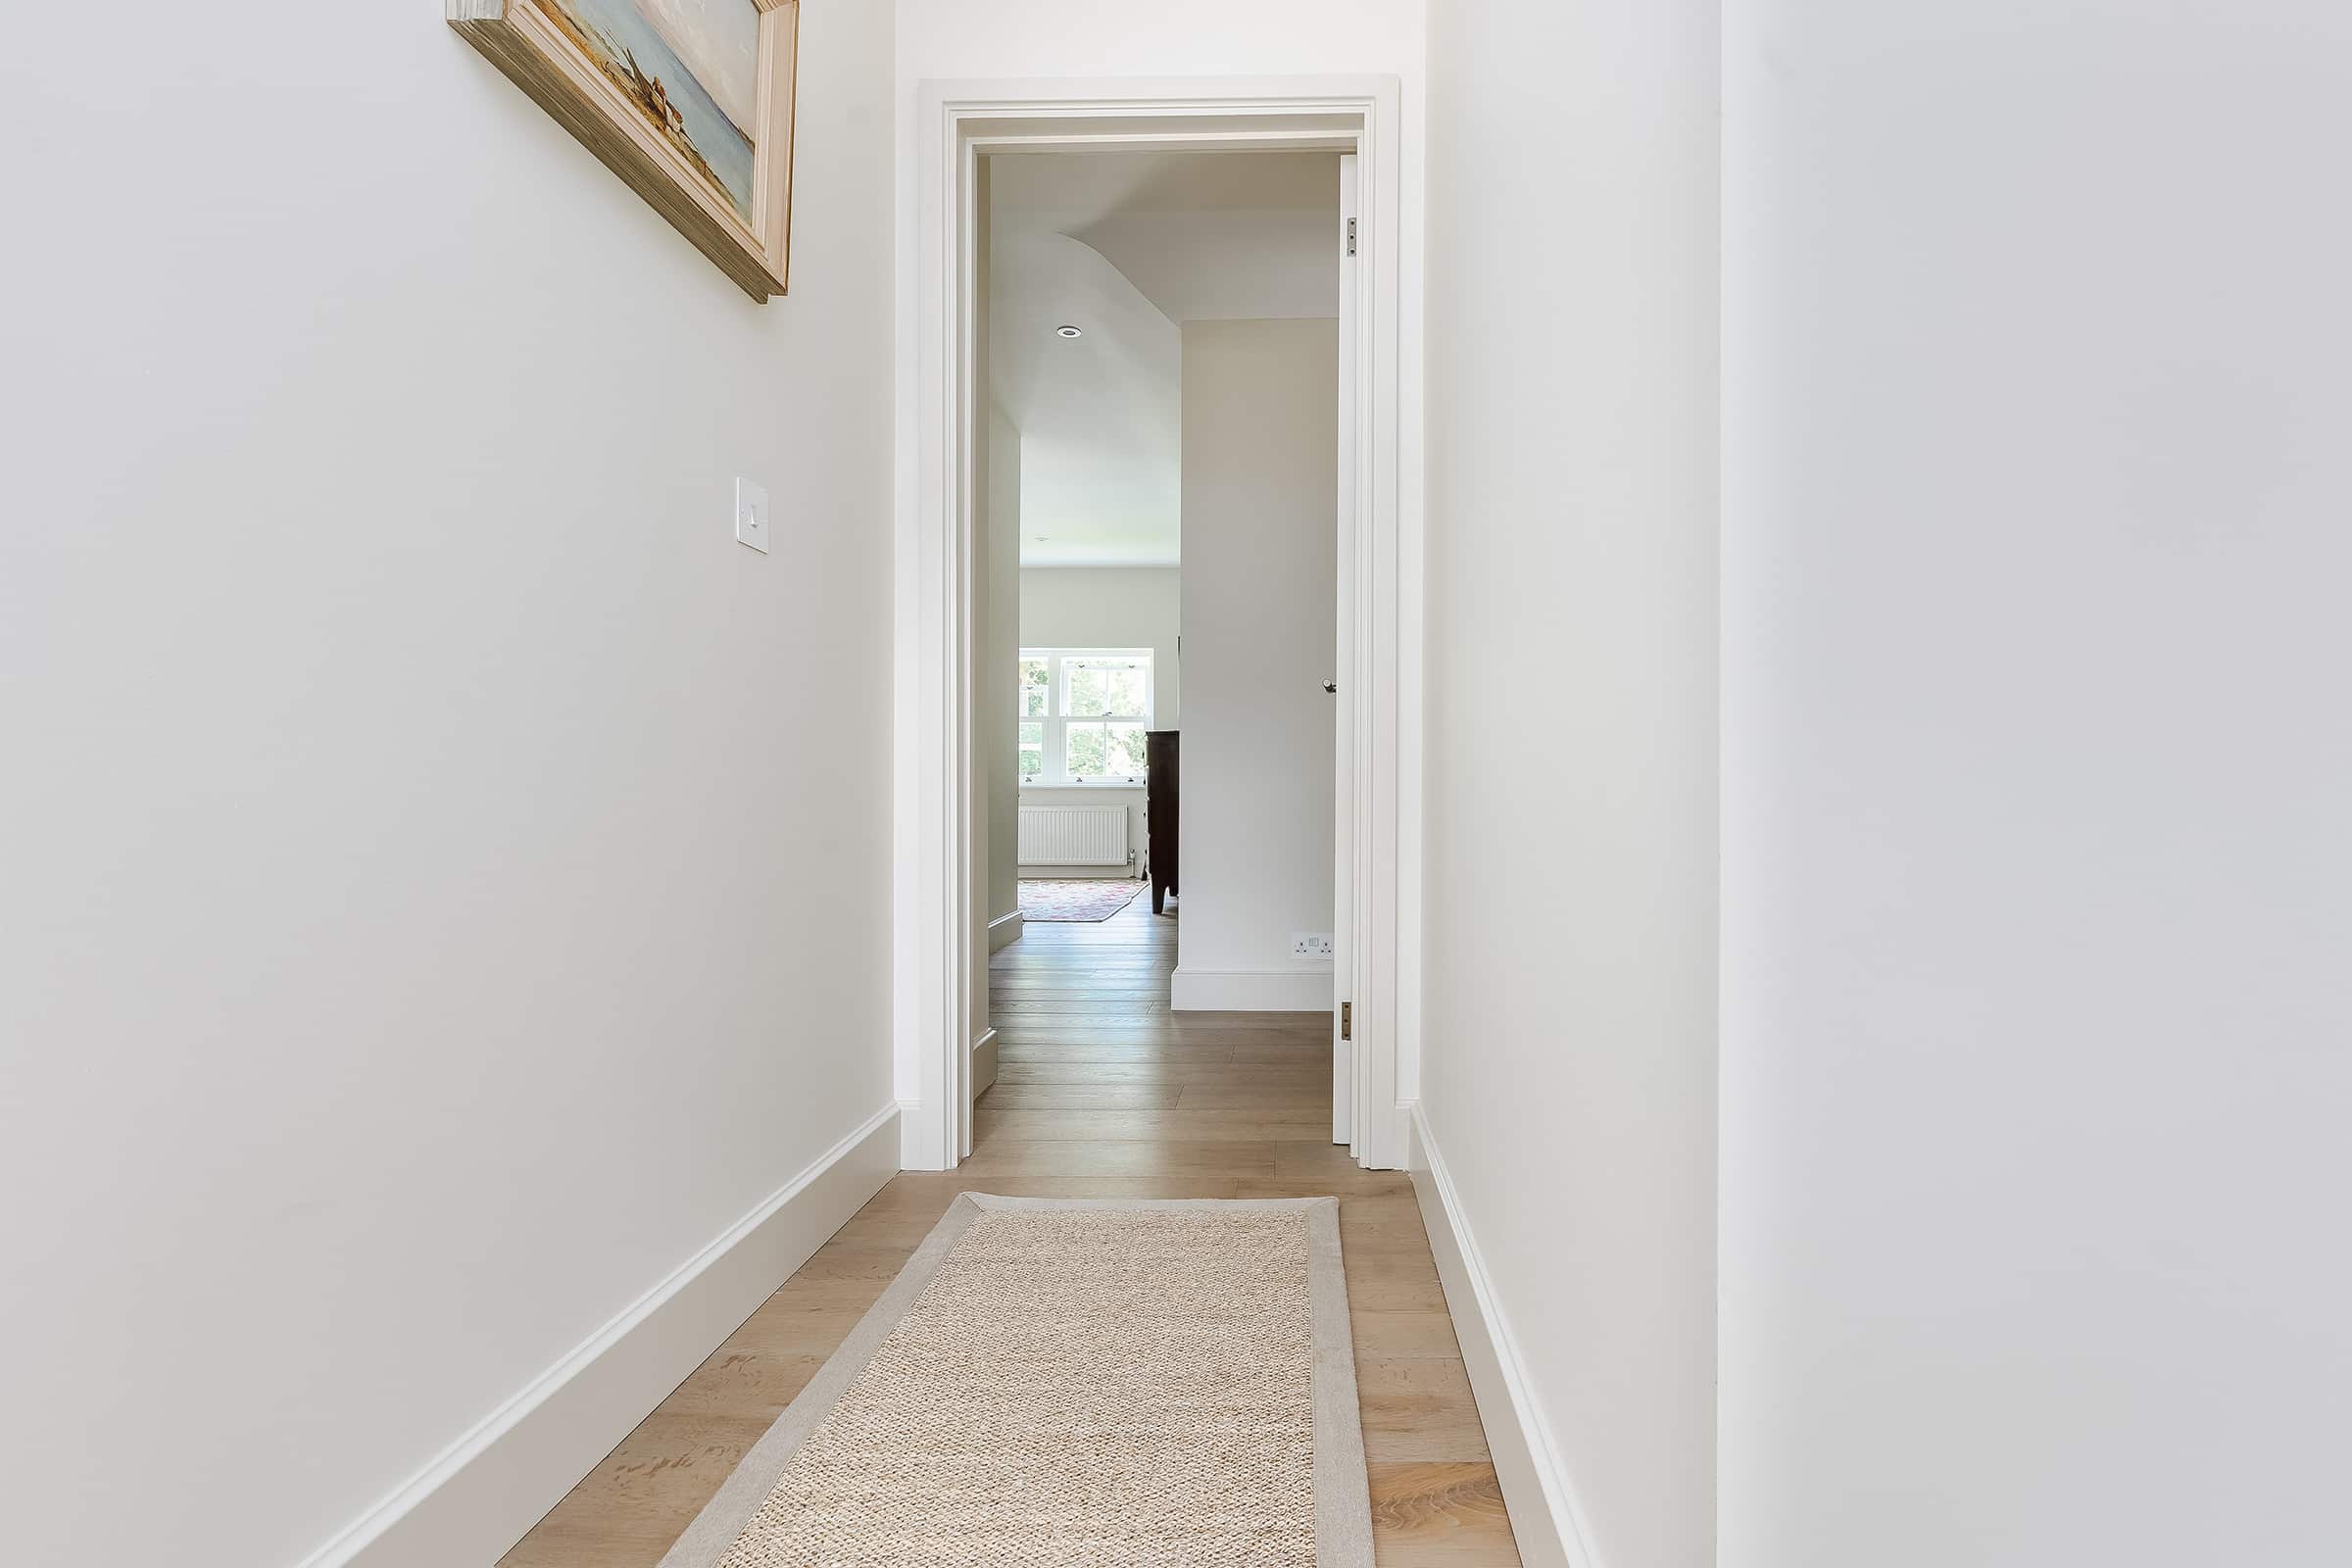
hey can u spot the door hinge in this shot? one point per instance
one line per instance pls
(1346, 1020)
(1351, 236)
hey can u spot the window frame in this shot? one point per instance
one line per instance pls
(1053, 756)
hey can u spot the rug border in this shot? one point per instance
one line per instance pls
(1342, 1488)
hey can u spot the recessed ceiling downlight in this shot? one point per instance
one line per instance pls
(1067, 331)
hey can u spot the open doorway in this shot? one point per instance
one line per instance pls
(1170, 213)
(1157, 649)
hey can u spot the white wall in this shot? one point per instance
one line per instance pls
(1260, 565)
(1034, 38)
(1106, 607)
(1569, 1052)
(998, 702)
(2038, 878)
(994, 891)
(430, 913)
(1239, 263)
(1110, 606)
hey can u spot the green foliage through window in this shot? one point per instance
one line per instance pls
(1083, 715)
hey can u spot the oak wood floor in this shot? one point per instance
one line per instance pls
(1103, 1092)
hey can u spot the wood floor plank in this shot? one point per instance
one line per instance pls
(1418, 1409)
(1440, 1515)
(1049, 1067)
(1102, 1091)
(1029, 1095)
(1128, 1126)
(1404, 1336)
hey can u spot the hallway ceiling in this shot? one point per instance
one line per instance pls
(1127, 246)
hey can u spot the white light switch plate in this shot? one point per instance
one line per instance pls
(750, 515)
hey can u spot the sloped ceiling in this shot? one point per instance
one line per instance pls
(1126, 246)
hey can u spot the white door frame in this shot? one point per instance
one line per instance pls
(933, 805)
(1345, 590)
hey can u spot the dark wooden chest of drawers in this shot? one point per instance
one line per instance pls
(1161, 812)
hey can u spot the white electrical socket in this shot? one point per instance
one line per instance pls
(750, 515)
(1310, 945)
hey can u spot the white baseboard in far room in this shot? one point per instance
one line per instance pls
(1545, 1517)
(1303, 988)
(486, 1489)
(1005, 929)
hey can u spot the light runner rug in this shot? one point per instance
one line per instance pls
(1078, 1382)
(1098, 900)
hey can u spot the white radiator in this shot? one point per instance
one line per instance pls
(1073, 835)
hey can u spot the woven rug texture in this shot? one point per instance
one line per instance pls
(1075, 1384)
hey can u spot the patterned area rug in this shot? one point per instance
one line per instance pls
(1074, 1383)
(1098, 900)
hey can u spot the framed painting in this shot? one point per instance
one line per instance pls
(690, 101)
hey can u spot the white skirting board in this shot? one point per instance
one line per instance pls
(984, 1062)
(1003, 930)
(1545, 1517)
(1305, 989)
(484, 1492)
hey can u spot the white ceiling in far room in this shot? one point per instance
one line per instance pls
(1125, 247)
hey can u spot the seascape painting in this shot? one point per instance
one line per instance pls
(688, 101)
(691, 68)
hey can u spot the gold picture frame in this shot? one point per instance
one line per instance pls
(660, 90)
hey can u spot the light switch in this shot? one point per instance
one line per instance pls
(750, 515)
